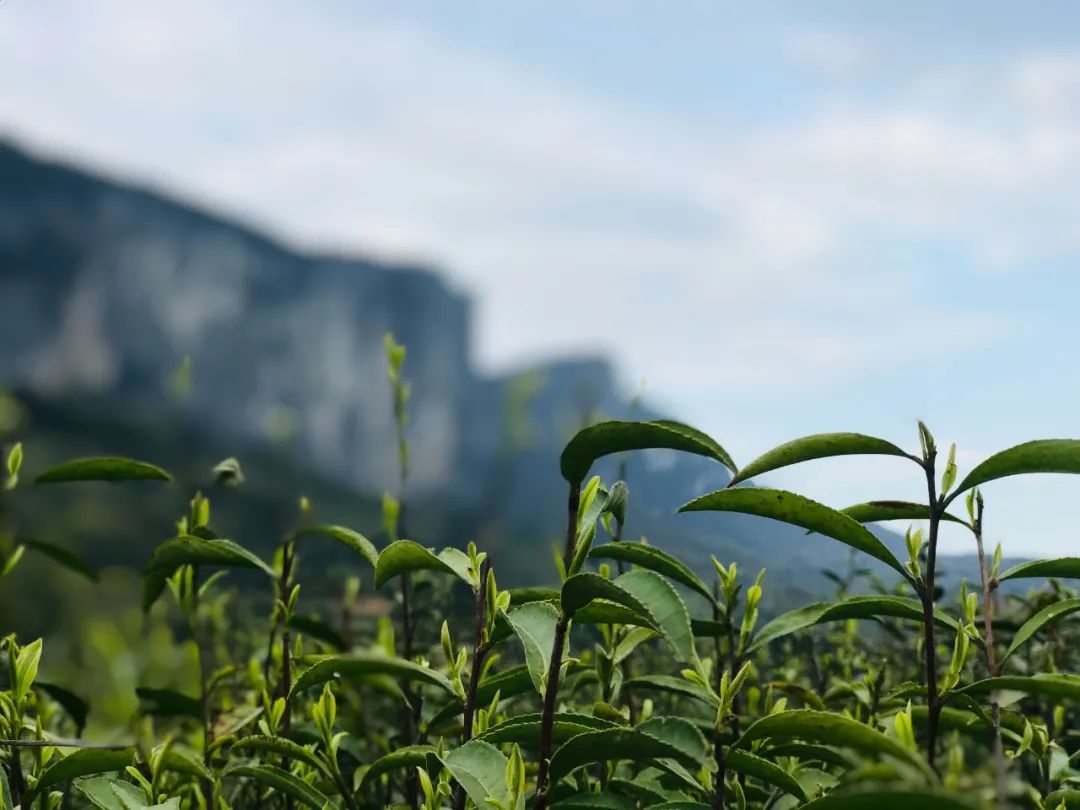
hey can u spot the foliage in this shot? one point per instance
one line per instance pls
(638, 682)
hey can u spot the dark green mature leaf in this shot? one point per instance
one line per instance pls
(664, 606)
(654, 559)
(191, 550)
(827, 728)
(283, 747)
(347, 537)
(524, 729)
(534, 624)
(405, 556)
(752, 765)
(281, 780)
(821, 445)
(799, 511)
(1063, 568)
(878, 511)
(601, 611)
(77, 708)
(658, 738)
(409, 756)
(480, 768)
(521, 596)
(65, 557)
(365, 665)
(1049, 614)
(808, 752)
(889, 798)
(1057, 686)
(1069, 797)
(1039, 456)
(168, 703)
(594, 801)
(582, 588)
(854, 607)
(605, 438)
(83, 762)
(102, 469)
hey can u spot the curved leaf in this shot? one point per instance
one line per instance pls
(654, 559)
(854, 607)
(602, 611)
(769, 772)
(1070, 797)
(480, 768)
(1057, 686)
(877, 511)
(404, 556)
(534, 624)
(191, 550)
(1050, 613)
(1039, 456)
(168, 703)
(605, 438)
(283, 747)
(820, 445)
(363, 665)
(77, 708)
(1062, 568)
(284, 781)
(664, 606)
(525, 729)
(889, 798)
(679, 687)
(409, 756)
(832, 729)
(808, 752)
(799, 511)
(102, 469)
(319, 630)
(110, 793)
(347, 537)
(583, 588)
(658, 738)
(83, 762)
(68, 559)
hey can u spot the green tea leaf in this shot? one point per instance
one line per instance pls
(664, 606)
(768, 772)
(534, 624)
(877, 511)
(64, 557)
(831, 729)
(821, 445)
(799, 511)
(606, 438)
(409, 756)
(364, 665)
(1045, 685)
(580, 589)
(658, 738)
(26, 667)
(110, 793)
(654, 559)
(316, 628)
(77, 708)
(347, 537)
(480, 768)
(404, 556)
(667, 684)
(168, 703)
(83, 762)
(191, 550)
(283, 747)
(854, 607)
(281, 780)
(1039, 456)
(1049, 614)
(1063, 568)
(525, 729)
(102, 469)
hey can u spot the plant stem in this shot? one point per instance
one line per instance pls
(991, 662)
(480, 649)
(204, 689)
(930, 645)
(288, 553)
(547, 719)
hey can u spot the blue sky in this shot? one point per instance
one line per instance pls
(786, 219)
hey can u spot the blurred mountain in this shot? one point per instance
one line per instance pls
(107, 287)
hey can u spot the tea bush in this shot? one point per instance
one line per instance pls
(638, 682)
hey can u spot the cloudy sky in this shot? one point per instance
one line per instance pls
(800, 218)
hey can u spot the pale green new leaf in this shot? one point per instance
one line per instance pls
(360, 665)
(1049, 614)
(480, 768)
(83, 762)
(191, 550)
(654, 559)
(405, 556)
(284, 781)
(534, 624)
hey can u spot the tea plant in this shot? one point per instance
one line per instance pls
(637, 682)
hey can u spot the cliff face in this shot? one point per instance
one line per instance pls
(105, 288)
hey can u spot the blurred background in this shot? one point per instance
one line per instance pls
(766, 222)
